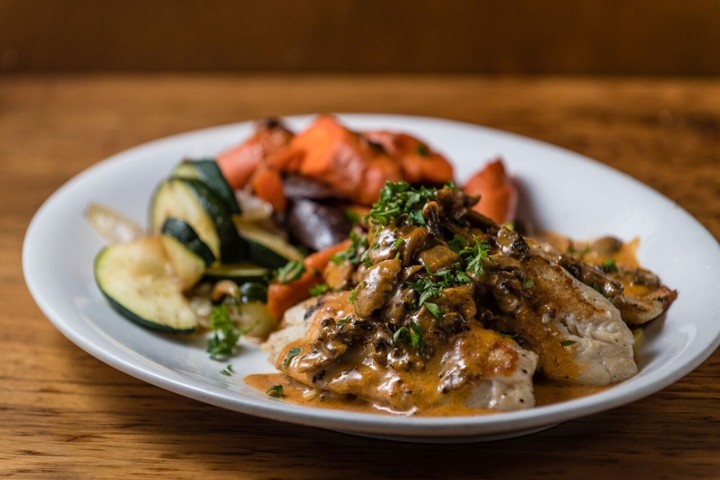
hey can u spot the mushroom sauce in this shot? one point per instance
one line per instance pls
(434, 309)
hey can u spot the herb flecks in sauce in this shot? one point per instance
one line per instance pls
(290, 271)
(226, 334)
(276, 391)
(439, 301)
(400, 203)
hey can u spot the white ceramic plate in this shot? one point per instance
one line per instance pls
(562, 191)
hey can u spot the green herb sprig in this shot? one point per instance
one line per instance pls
(609, 266)
(401, 203)
(472, 253)
(226, 334)
(355, 253)
(319, 289)
(292, 353)
(412, 333)
(432, 285)
(290, 271)
(276, 391)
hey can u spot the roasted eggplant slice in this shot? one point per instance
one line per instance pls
(317, 226)
(298, 187)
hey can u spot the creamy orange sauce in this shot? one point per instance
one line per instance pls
(546, 393)
(366, 379)
(625, 257)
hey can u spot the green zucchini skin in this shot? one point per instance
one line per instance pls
(138, 281)
(264, 255)
(253, 292)
(186, 235)
(207, 171)
(265, 248)
(194, 202)
(149, 324)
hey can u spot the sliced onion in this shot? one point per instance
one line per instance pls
(252, 208)
(112, 226)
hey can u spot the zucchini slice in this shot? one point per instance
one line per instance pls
(189, 255)
(208, 172)
(266, 248)
(258, 319)
(193, 202)
(138, 280)
(253, 292)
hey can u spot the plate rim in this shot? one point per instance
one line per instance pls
(360, 423)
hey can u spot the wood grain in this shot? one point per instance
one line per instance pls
(64, 414)
(667, 37)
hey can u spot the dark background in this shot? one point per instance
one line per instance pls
(636, 37)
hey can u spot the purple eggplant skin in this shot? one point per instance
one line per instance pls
(298, 187)
(315, 225)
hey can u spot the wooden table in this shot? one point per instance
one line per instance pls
(64, 414)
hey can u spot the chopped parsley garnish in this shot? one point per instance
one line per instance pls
(471, 253)
(355, 252)
(275, 391)
(353, 295)
(567, 343)
(529, 283)
(574, 251)
(609, 266)
(226, 334)
(457, 243)
(413, 334)
(352, 216)
(290, 271)
(292, 353)
(400, 333)
(416, 337)
(401, 203)
(227, 371)
(433, 284)
(319, 289)
(462, 277)
(427, 288)
(433, 308)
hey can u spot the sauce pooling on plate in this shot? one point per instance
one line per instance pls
(278, 384)
(433, 309)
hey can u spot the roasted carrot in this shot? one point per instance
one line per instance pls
(379, 171)
(434, 167)
(498, 195)
(419, 163)
(319, 143)
(333, 155)
(239, 163)
(282, 296)
(319, 260)
(267, 185)
(355, 165)
(286, 159)
(344, 160)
